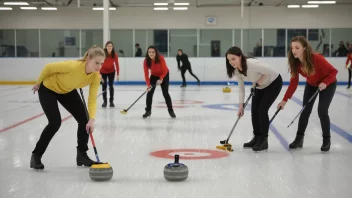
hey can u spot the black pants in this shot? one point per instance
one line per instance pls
(164, 89)
(325, 98)
(349, 76)
(261, 103)
(73, 104)
(111, 77)
(184, 68)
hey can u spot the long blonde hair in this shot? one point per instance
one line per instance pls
(93, 52)
(308, 66)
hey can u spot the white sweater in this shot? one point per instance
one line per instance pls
(254, 72)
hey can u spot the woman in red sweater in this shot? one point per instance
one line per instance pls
(159, 76)
(110, 66)
(319, 74)
(349, 68)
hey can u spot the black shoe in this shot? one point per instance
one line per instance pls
(36, 162)
(104, 104)
(112, 103)
(172, 113)
(261, 145)
(326, 144)
(83, 159)
(297, 143)
(251, 143)
(147, 114)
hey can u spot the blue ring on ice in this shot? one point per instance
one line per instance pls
(226, 107)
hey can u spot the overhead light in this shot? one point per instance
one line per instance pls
(161, 8)
(16, 3)
(101, 8)
(180, 8)
(5, 8)
(28, 8)
(181, 4)
(293, 6)
(49, 8)
(321, 2)
(161, 4)
(310, 6)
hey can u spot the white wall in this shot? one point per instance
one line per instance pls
(334, 16)
(210, 70)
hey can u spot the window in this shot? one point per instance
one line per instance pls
(183, 39)
(274, 42)
(123, 42)
(59, 43)
(27, 42)
(214, 42)
(341, 41)
(140, 37)
(89, 38)
(7, 43)
(252, 42)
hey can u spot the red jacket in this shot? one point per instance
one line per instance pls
(349, 58)
(324, 72)
(109, 65)
(160, 70)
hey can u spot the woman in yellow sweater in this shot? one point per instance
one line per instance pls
(58, 83)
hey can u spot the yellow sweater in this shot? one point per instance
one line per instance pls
(64, 77)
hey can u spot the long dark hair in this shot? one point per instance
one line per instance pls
(149, 60)
(238, 52)
(308, 67)
(112, 51)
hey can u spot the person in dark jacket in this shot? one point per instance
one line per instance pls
(186, 65)
(138, 50)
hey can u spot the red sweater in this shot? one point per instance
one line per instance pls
(349, 58)
(108, 66)
(160, 70)
(324, 72)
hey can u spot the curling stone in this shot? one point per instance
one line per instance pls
(176, 171)
(226, 89)
(101, 172)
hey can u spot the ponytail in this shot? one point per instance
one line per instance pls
(92, 52)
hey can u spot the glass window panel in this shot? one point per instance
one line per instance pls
(27, 42)
(123, 40)
(7, 43)
(319, 40)
(341, 41)
(292, 33)
(140, 37)
(214, 42)
(252, 42)
(238, 38)
(59, 43)
(158, 38)
(274, 42)
(90, 38)
(185, 39)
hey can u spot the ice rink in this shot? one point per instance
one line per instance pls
(205, 115)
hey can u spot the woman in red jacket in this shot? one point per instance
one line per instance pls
(349, 68)
(110, 66)
(159, 76)
(319, 74)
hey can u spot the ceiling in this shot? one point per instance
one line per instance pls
(193, 3)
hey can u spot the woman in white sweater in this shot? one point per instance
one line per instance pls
(267, 84)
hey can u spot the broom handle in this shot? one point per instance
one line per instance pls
(90, 134)
(139, 98)
(234, 126)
